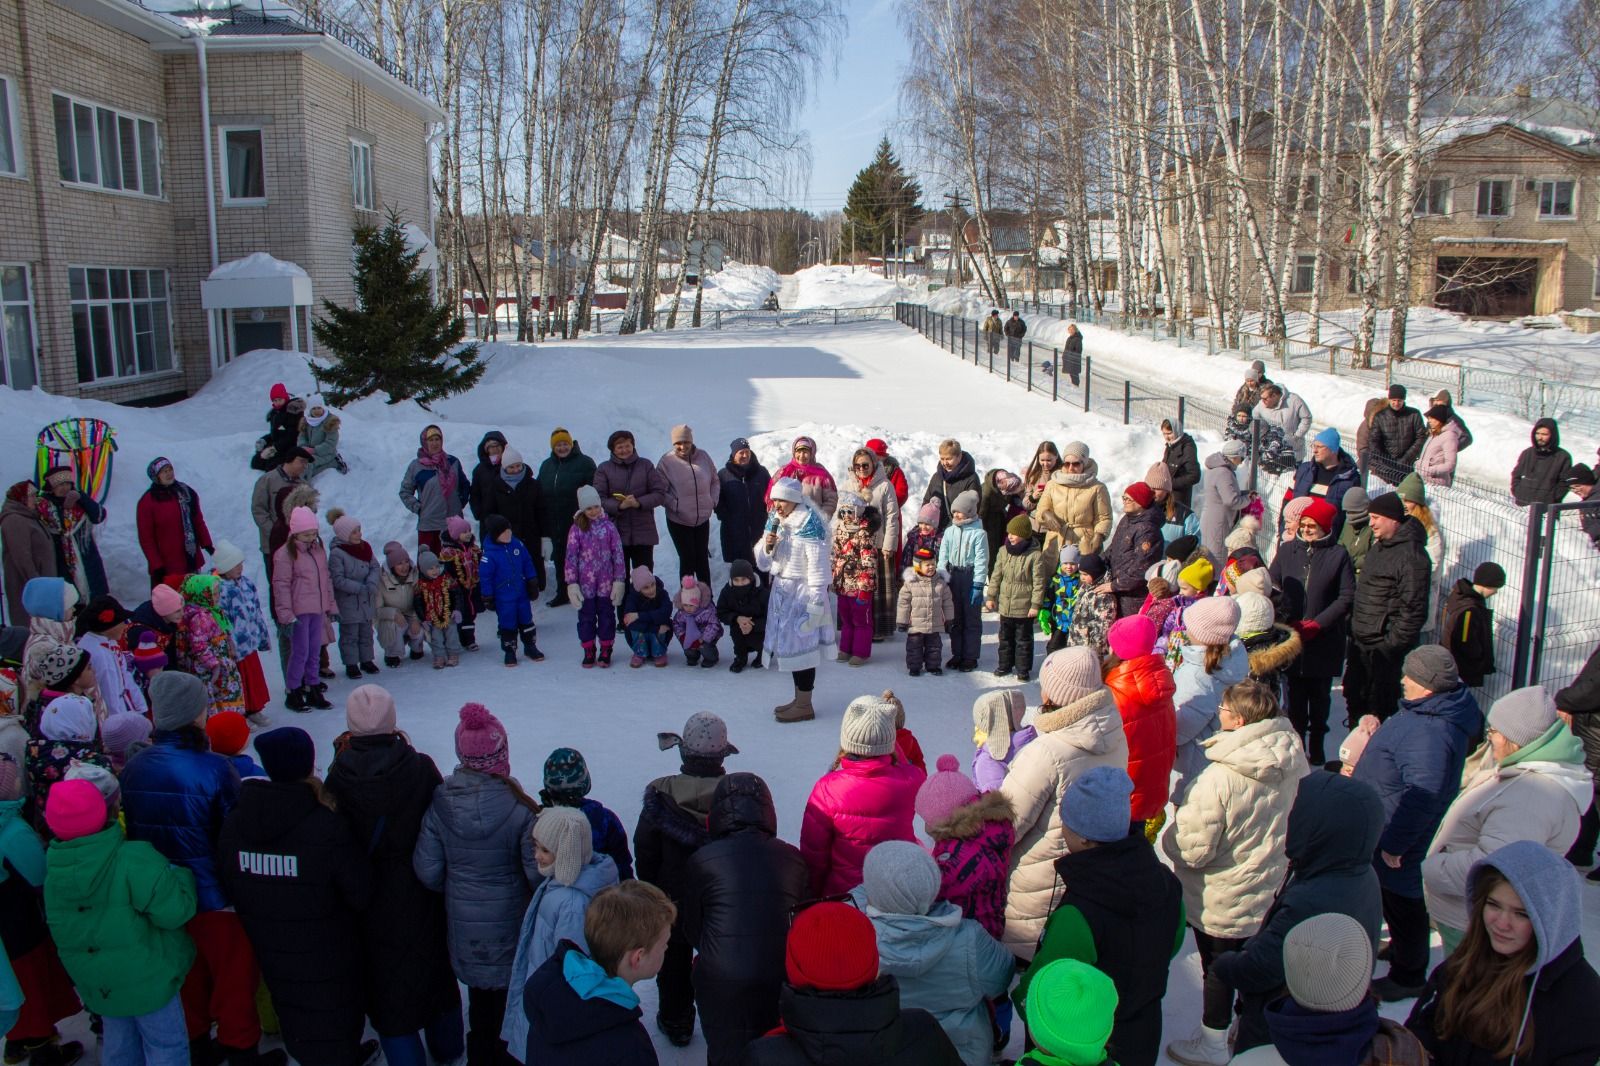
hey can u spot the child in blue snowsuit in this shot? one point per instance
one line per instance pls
(509, 583)
(647, 618)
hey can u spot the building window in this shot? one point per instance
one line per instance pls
(1305, 273)
(1494, 198)
(244, 176)
(10, 151)
(1434, 197)
(121, 322)
(361, 187)
(1558, 199)
(1352, 276)
(16, 328)
(1597, 279)
(105, 148)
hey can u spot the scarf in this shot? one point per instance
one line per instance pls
(443, 468)
(185, 497)
(202, 591)
(362, 551)
(62, 524)
(1019, 549)
(514, 480)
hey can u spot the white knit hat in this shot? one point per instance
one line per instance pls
(900, 878)
(565, 831)
(1327, 963)
(1069, 675)
(867, 727)
(787, 489)
(1211, 620)
(588, 496)
(225, 556)
(1255, 613)
(509, 456)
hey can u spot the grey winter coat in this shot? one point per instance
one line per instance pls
(355, 584)
(639, 478)
(1221, 500)
(424, 497)
(925, 605)
(268, 486)
(692, 487)
(1292, 416)
(323, 441)
(476, 846)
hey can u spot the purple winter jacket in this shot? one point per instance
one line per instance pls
(988, 773)
(639, 478)
(594, 558)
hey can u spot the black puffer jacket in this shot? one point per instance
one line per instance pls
(523, 507)
(299, 882)
(863, 1027)
(1182, 460)
(946, 487)
(742, 508)
(1315, 582)
(1392, 596)
(1396, 440)
(1135, 547)
(749, 601)
(1468, 631)
(283, 433)
(741, 887)
(1540, 475)
(672, 827)
(483, 474)
(383, 787)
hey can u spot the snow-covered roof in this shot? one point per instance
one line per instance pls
(1565, 122)
(257, 280)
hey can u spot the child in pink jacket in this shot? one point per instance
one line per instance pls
(868, 797)
(302, 597)
(972, 838)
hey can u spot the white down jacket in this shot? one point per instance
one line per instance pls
(1226, 842)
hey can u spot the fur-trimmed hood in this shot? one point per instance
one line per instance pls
(1049, 721)
(1273, 650)
(966, 821)
(299, 495)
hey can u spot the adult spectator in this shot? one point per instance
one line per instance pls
(692, 487)
(1529, 785)
(172, 528)
(264, 497)
(1415, 500)
(1248, 393)
(1221, 498)
(631, 488)
(1072, 353)
(1178, 520)
(283, 428)
(999, 501)
(69, 517)
(1036, 478)
(1356, 536)
(1414, 763)
(1076, 506)
(741, 503)
(1016, 329)
(1437, 464)
(1580, 482)
(434, 488)
(1396, 437)
(1442, 398)
(992, 330)
(1540, 475)
(1182, 460)
(564, 471)
(955, 474)
(891, 467)
(1364, 435)
(869, 479)
(1578, 705)
(176, 794)
(319, 432)
(514, 494)
(814, 479)
(1286, 411)
(25, 546)
(1328, 474)
(1389, 610)
(1315, 587)
(483, 475)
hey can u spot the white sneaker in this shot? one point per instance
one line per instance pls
(258, 721)
(1207, 1047)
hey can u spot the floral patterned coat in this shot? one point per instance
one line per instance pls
(242, 604)
(201, 648)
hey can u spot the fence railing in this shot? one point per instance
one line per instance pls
(1524, 395)
(745, 318)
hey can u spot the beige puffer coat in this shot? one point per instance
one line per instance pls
(1075, 509)
(926, 605)
(396, 610)
(1072, 739)
(1016, 585)
(1226, 842)
(879, 493)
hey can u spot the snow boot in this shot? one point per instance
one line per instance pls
(738, 664)
(51, 1052)
(438, 662)
(755, 664)
(677, 1033)
(469, 635)
(392, 661)
(692, 656)
(842, 657)
(797, 710)
(508, 644)
(636, 662)
(1208, 1047)
(417, 653)
(559, 599)
(661, 660)
(530, 644)
(369, 667)
(353, 672)
(605, 655)
(452, 660)
(856, 660)
(295, 700)
(257, 720)
(317, 701)
(588, 655)
(708, 656)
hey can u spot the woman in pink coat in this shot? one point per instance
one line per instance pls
(868, 797)
(1437, 464)
(815, 481)
(302, 597)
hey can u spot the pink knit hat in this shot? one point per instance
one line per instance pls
(642, 579)
(1211, 620)
(481, 742)
(458, 528)
(74, 809)
(1069, 675)
(165, 600)
(1356, 743)
(944, 791)
(345, 526)
(394, 554)
(369, 711)
(302, 520)
(928, 514)
(1132, 637)
(1291, 516)
(691, 590)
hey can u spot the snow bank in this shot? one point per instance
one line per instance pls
(736, 285)
(827, 285)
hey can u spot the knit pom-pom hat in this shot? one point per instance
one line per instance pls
(481, 742)
(945, 790)
(394, 555)
(345, 526)
(1069, 675)
(565, 833)
(1211, 620)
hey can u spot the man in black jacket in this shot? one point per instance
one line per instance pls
(1072, 353)
(1390, 607)
(1016, 329)
(1581, 482)
(1579, 706)
(1396, 438)
(1540, 475)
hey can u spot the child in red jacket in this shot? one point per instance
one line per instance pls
(1143, 687)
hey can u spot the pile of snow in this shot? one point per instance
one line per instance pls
(736, 285)
(827, 285)
(258, 265)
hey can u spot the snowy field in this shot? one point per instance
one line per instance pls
(840, 385)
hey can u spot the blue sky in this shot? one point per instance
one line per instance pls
(849, 112)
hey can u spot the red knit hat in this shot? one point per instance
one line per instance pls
(228, 732)
(278, 392)
(1320, 511)
(1140, 494)
(832, 947)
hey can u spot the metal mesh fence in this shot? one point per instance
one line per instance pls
(744, 318)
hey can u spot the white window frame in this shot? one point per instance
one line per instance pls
(1511, 197)
(109, 303)
(33, 326)
(228, 199)
(11, 127)
(1541, 183)
(364, 194)
(1301, 262)
(99, 113)
(1437, 208)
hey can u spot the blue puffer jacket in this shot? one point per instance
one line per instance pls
(175, 795)
(653, 614)
(504, 574)
(1197, 699)
(1414, 764)
(476, 846)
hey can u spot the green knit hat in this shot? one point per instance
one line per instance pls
(1070, 1010)
(1410, 489)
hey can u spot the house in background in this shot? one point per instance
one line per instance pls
(113, 115)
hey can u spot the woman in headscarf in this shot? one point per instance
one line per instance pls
(26, 549)
(68, 516)
(172, 528)
(434, 488)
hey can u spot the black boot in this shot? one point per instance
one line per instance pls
(391, 661)
(295, 699)
(737, 666)
(51, 1052)
(1582, 851)
(254, 1056)
(469, 635)
(559, 599)
(353, 672)
(708, 656)
(369, 667)
(205, 1051)
(692, 656)
(417, 653)
(317, 701)
(508, 644)
(755, 664)
(530, 644)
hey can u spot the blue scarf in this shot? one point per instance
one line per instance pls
(589, 981)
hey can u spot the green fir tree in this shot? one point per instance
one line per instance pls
(881, 199)
(395, 340)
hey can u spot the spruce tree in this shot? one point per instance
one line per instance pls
(395, 340)
(882, 194)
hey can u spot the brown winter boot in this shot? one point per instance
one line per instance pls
(798, 710)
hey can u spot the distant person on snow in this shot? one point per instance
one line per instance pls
(770, 303)
(1015, 330)
(1072, 353)
(992, 328)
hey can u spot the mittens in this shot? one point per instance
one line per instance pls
(616, 593)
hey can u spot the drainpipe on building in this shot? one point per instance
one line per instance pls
(211, 180)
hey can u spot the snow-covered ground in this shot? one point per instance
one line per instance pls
(839, 385)
(826, 285)
(736, 285)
